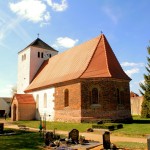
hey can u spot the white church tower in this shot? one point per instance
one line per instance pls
(29, 61)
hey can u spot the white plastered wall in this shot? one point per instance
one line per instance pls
(49, 110)
(23, 71)
(28, 67)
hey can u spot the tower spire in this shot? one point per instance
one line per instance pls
(38, 35)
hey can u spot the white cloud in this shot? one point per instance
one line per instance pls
(13, 26)
(32, 10)
(132, 64)
(58, 7)
(113, 14)
(65, 42)
(132, 71)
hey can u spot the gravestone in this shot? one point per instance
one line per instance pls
(1, 127)
(106, 140)
(74, 136)
(48, 138)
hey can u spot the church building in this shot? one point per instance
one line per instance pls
(85, 83)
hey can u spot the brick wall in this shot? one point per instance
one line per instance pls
(80, 103)
(71, 113)
(108, 107)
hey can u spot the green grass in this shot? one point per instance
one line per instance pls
(58, 125)
(140, 127)
(131, 145)
(21, 141)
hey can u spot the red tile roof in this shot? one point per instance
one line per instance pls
(132, 94)
(25, 98)
(93, 58)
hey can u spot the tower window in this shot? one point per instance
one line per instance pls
(23, 57)
(42, 55)
(38, 54)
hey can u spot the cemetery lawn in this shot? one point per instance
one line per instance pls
(132, 145)
(22, 140)
(139, 128)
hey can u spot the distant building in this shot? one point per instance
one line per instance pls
(84, 83)
(136, 103)
(132, 94)
(5, 105)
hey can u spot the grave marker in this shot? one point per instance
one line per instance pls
(74, 136)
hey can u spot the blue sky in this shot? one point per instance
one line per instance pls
(66, 23)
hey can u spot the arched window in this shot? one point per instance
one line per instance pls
(37, 101)
(24, 56)
(45, 100)
(122, 97)
(42, 55)
(118, 96)
(66, 98)
(95, 96)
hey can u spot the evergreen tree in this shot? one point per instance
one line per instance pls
(145, 113)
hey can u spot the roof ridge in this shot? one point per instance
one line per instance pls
(106, 55)
(100, 37)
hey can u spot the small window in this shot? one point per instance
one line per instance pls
(95, 96)
(45, 100)
(24, 56)
(66, 98)
(50, 55)
(38, 54)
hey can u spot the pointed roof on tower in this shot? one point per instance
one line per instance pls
(91, 59)
(41, 44)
